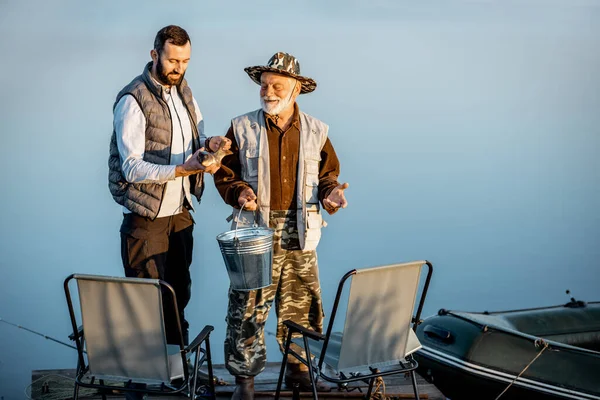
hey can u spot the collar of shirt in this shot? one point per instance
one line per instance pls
(166, 90)
(271, 120)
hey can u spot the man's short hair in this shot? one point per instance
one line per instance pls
(173, 34)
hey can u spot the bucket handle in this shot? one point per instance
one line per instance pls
(254, 225)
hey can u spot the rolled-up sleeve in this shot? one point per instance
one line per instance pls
(329, 170)
(228, 179)
(130, 128)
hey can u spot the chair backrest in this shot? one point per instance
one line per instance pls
(123, 328)
(381, 302)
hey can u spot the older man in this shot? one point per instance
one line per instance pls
(282, 167)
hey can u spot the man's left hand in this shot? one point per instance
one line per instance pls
(336, 198)
(215, 143)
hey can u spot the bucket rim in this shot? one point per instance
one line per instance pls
(265, 232)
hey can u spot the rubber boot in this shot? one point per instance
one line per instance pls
(244, 388)
(297, 375)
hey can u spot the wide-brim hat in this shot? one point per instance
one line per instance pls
(283, 64)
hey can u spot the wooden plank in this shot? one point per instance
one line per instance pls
(61, 381)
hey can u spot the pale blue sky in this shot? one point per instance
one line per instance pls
(469, 132)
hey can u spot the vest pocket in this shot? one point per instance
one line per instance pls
(251, 163)
(314, 220)
(311, 181)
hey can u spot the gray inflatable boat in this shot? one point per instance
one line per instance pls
(539, 353)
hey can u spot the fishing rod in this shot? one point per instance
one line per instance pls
(37, 333)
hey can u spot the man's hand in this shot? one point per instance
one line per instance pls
(215, 143)
(336, 198)
(192, 166)
(247, 196)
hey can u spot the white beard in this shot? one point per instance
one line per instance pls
(281, 105)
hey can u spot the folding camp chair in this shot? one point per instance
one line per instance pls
(124, 338)
(378, 337)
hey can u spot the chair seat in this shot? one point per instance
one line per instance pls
(332, 356)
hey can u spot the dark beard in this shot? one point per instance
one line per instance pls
(165, 79)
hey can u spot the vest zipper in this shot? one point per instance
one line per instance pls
(162, 196)
(182, 142)
(199, 178)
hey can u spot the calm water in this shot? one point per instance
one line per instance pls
(468, 131)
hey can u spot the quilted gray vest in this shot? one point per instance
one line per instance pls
(251, 136)
(145, 198)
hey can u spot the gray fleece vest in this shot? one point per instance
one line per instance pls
(251, 135)
(145, 198)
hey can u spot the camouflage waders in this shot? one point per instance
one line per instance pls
(297, 296)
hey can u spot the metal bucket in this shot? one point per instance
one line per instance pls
(248, 256)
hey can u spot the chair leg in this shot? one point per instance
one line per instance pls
(194, 377)
(296, 392)
(313, 384)
(76, 391)
(211, 379)
(103, 391)
(288, 342)
(414, 383)
(370, 390)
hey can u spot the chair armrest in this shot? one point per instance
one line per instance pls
(202, 336)
(79, 333)
(294, 327)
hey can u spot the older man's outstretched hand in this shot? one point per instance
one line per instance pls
(336, 198)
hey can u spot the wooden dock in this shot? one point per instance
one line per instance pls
(58, 384)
